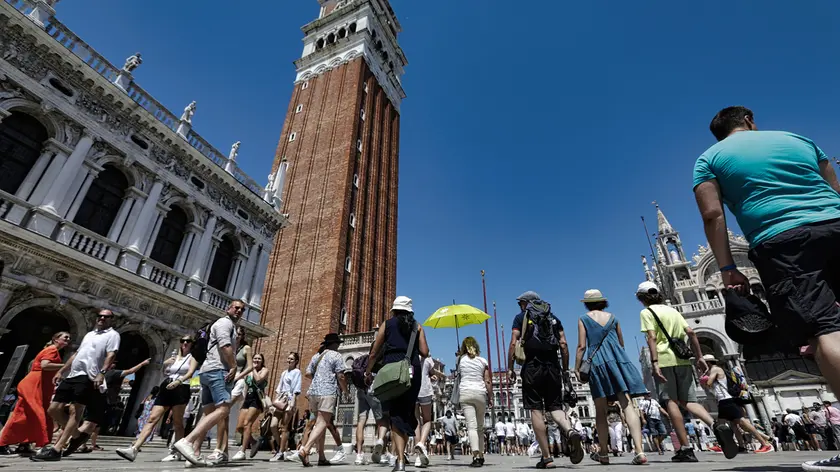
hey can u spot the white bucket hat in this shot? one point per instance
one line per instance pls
(403, 303)
(593, 296)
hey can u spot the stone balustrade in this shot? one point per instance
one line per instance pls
(358, 339)
(162, 275)
(696, 308)
(87, 242)
(213, 297)
(684, 283)
(106, 69)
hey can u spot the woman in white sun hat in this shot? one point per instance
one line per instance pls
(392, 340)
(612, 376)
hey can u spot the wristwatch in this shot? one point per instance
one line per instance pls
(102, 371)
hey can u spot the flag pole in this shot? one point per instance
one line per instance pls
(487, 333)
(498, 357)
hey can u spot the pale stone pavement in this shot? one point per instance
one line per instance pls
(108, 461)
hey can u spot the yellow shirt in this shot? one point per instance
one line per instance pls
(674, 323)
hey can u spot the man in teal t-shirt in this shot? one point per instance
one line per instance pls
(785, 195)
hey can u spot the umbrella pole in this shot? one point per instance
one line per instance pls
(457, 336)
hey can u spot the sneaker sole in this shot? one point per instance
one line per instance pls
(575, 450)
(726, 438)
(187, 455)
(125, 456)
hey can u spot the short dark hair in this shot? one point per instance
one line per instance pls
(651, 298)
(593, 306)
(729, 119)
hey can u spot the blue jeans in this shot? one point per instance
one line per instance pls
(214, 389)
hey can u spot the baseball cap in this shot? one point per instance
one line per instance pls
(647, 287)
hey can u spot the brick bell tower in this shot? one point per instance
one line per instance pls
(334, 269)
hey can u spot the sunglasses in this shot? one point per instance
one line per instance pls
(183, 341)
(104, 317)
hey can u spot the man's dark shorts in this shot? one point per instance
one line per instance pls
(800, 269)
(542, 385)
(77, 389)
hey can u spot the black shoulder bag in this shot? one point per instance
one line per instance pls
(586, 366)
(679, 346)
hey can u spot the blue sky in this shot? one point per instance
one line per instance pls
(533, 137)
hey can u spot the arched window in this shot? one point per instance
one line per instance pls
(102, 203)
(169, 238)
(222, 264)
(21, 140)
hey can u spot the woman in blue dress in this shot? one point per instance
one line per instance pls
(612, 376)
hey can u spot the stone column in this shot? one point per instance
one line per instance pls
(187, 247)
(136, 241)
(51, 147)
(136, 197)
(234, 278)
(246, 279)
(258, 284)
(45, 218)
(122, 217)
(150, 242)
(78, 189)
(58, 190)
(198, 259)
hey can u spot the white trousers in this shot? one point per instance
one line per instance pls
(474, 403)
(617, 436)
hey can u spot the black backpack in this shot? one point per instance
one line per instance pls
(358, 372)
(201, 343)
(545, 330)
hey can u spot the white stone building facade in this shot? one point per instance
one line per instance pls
(694, 287)
(109, 200)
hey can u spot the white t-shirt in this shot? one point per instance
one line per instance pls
(500, 429)
(510, 429)
(289, 383)
(471, 372)
(650, 408)
(792, 419)
(425, 381)
(92, 351)
(522, 430)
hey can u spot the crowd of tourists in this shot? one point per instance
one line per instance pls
(779, 186)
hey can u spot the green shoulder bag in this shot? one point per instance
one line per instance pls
(394, 379)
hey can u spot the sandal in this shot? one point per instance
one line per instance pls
(304, 457)
(601, 459)
(640, 459)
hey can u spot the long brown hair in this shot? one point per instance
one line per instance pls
(470, 347)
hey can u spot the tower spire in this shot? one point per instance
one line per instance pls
(663, 226)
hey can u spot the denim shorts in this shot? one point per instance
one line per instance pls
(214, 389)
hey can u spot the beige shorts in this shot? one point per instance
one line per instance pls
(324, 404)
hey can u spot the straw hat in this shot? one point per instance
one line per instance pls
(593, 296)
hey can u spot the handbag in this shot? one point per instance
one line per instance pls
(679, 346)
(394, 379)
(586, 366)
(519, 348)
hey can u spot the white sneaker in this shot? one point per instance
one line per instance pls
(279, 457)
(417, 463)
(128, 453)
(376, 457)
(183, 447)
(172, 457)
(422, 455)
(216, 458)
(392, 459)
(190, 465)
(293, 456)
(360, 459)
(239, 456)
(339, 456)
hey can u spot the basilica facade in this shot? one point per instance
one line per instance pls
(110, 200)
(693, 286)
